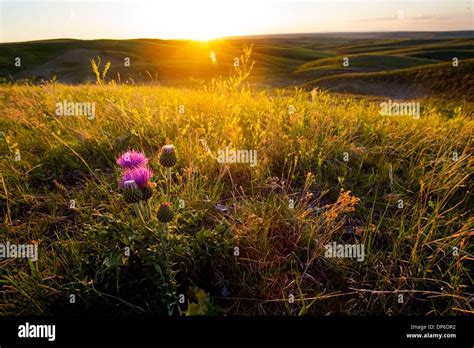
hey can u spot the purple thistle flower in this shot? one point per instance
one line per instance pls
(141, 176)
(167, 149)
(132, 159)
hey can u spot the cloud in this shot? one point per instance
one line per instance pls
(406, 17)
(376, 19)
(428, 18)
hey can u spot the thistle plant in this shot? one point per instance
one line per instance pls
(147, 191)
(168, 160)
(165, 215)
(132, 195)
(132, 159)
(137, 187)
(142, 176)
(134, 166)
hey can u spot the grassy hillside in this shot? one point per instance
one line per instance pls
(397, 185)
(281, 60)
(357, 64)
(446, 55)
(150, 60)
(442, 80)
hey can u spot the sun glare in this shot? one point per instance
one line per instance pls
(196, 20)
(203, 34)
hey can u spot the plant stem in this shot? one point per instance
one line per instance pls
(148, 206)
(168, 172)
(145, 209)
(142, 210)
(138, 212)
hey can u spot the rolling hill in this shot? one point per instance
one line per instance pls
(441, 80)
(280, 60)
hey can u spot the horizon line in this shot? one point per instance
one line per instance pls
(248, 36)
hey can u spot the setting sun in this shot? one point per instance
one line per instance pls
(211, 19)
(202, 21)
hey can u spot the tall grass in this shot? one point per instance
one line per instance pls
(237, 238)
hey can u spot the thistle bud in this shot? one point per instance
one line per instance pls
(168, 156)
(132, 193)
(165, 213)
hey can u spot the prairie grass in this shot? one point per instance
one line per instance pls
(420, 249)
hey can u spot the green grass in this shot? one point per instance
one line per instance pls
(385, 45)
(441, 80)
(446, 55)
(281, 60)
(409, 250)
(360, 63)
(454, 46)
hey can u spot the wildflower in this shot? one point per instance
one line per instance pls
(141, 176)
(132, 159)
(168, 156)
(168, 160)
(135, 182)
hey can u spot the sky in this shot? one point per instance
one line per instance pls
(208, 19)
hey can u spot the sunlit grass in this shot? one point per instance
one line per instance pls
(409, 250)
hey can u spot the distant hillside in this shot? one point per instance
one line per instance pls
(441, 80)
(360, 63)
(280, 60)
